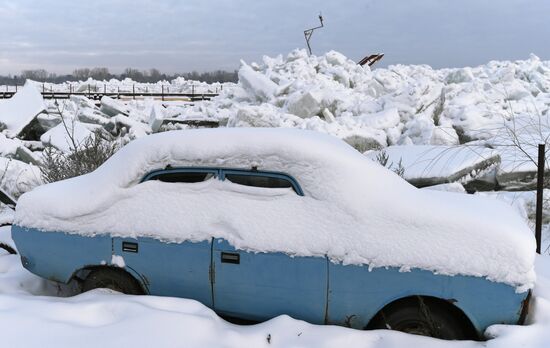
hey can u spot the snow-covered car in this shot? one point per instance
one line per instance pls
(256, 223)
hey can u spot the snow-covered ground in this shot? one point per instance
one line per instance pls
(478, 128)
(34, 313)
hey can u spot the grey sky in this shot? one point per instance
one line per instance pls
(186, 35)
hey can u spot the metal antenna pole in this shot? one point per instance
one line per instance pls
(309, 32)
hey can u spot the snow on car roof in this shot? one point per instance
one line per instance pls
(354, 211)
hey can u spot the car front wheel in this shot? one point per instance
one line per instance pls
(113, 279)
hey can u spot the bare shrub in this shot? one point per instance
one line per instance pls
(383, 158)
(88, 156)
(399, 169)
(83, 158)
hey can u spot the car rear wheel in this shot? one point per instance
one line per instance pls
(422, 316)
(113, 279)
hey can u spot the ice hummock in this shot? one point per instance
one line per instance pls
(17, 112)
(67, 136)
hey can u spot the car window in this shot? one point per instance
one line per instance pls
(187, 176)
(261, 180)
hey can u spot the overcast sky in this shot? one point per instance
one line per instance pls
(186, 35)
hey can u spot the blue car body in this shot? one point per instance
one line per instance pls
(260, 286)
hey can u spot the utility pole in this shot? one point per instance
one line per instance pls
(309, 32)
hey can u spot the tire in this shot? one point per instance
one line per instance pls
(422, 316)
(113, 279)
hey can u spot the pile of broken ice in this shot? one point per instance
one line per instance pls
(478, 127)
(28, 124)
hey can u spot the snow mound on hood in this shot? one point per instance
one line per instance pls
(354, 210)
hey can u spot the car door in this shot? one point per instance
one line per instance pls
(259, 286)
(170, 269)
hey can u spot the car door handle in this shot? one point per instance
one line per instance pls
(231, 258)
(130, 247)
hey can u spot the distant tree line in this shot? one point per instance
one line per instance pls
(151, 75)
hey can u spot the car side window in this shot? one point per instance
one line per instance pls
(180, 176)
(264, 180)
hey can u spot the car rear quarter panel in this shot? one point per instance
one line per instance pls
(357, 294)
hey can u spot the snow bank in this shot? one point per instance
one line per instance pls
(98, 318)
(18, 111)
(354, 211)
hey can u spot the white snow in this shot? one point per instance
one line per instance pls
(354, 211)
(113, 107)
(118, 260)
(6, 215)
(256, 83)
(155, 117)
(18, 111)
(9, 147)
(433, 106)
(17, 177)
(440, 163)
(67, 135)
(401, 105)
(177, 85)
(451, 187)
(135, 128)
(489, 108)
(398, 105)
(37, 317)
